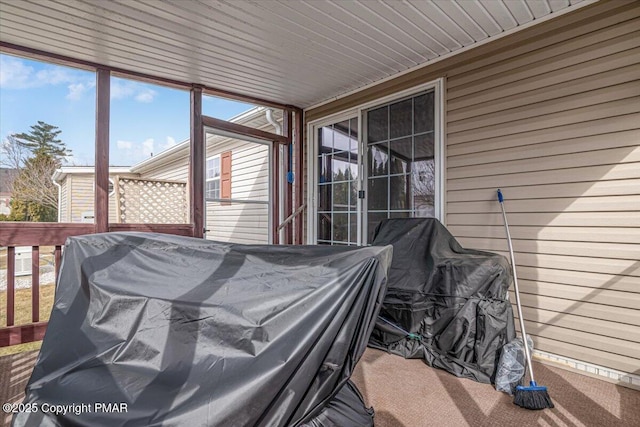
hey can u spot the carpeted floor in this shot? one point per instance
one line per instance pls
(407, 393)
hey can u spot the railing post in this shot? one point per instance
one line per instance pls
(35, 284)
(11, 284)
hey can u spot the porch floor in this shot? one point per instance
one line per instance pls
(407, 393)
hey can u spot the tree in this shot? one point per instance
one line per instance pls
(34, 195)
(42, 140)
(34, 183)
(12, 153)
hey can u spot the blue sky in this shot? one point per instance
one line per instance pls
(145, 118)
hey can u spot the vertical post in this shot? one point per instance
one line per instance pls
(11, 284)
(57, 261)
(275, 185)
(298, 178)
(35, 284)
(196, 164)
(288, 194)
(101, 205)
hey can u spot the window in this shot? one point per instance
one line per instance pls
(212, 188)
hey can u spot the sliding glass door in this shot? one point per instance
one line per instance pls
(390, 171)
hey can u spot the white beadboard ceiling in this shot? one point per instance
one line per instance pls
(297, 52)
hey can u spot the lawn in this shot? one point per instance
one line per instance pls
(23, 313)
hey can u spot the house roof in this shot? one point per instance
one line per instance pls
(254, 117)
(61, 173)
(297, 52)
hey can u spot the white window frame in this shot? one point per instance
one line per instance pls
(439, 152)
(217, 178)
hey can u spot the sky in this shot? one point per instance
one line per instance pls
(145, 118)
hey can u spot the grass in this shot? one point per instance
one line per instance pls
(46, 256)
(23, 314)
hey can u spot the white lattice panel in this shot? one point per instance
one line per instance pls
(152, 201)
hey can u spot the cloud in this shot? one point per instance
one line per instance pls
(16, 74)
(124, 145)
(145, 96)
(121, 89)
(147, 147)
(171, 141)
(76, 90)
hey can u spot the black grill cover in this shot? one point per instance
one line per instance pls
(445, 304)
(189, 332)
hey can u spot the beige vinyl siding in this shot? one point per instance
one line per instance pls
(177, 170)
(242, 222)
(78, 191)
(552, 116)
(557, 129)
(82, 196)
(62, 203)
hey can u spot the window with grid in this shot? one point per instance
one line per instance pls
(337, 183)
(212, 186)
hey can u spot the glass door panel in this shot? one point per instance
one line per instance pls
(337, 183)
(400, 161)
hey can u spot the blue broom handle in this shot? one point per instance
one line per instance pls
(515, 285)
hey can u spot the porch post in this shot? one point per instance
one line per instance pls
(288, 194)
(275, 185)
(299, 177)
(101, 201)
(196, 164)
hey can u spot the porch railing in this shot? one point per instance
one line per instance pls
(37, 236)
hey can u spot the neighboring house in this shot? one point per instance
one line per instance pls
(6, 178)
(76, 192)
(236, 188)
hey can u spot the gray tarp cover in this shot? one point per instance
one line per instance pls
(190, 332)
(452, 300)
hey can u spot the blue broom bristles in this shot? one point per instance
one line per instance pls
(532, 397)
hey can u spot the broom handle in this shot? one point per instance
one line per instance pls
(515, 285)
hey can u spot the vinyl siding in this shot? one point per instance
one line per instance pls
(242, 222)
(78, 197)
(63, 203)
(552, 116)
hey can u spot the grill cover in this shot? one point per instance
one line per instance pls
(189, 332)
(445, 304)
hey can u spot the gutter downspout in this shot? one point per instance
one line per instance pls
(53, 178)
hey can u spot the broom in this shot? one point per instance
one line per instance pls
(534, 396)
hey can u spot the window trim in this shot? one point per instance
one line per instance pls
(439, 152)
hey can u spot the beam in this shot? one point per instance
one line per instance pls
(101, 205)
(22, 334)
(120, 72)
(242, 130)
(196, 164)
(41, 233)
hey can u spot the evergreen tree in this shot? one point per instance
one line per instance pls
(43, 140)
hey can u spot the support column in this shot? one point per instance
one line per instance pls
(101, 200)
(288, 194)
(299, 176)
(275, 191)
(196, 164)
